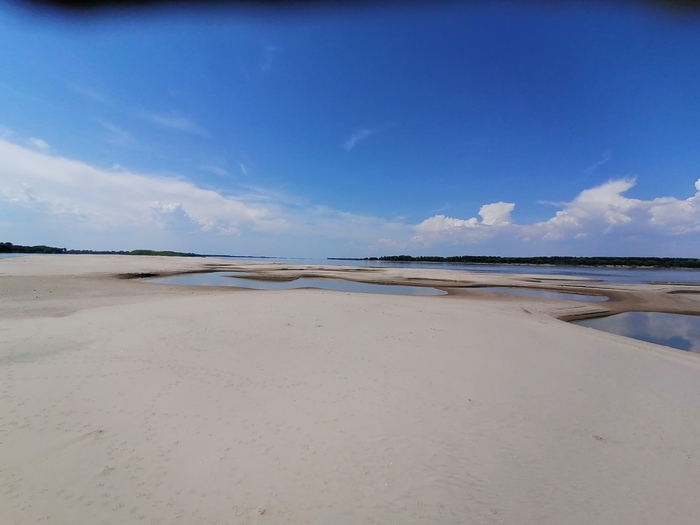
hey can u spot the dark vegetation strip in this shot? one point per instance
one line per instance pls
(635, 262)
(8, 247)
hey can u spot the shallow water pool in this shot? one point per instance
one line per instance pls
(233, 279)
(674, 330)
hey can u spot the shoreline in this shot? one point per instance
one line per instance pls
(123, 400)
(678, 298)
(157, 253)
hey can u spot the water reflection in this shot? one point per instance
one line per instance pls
(674, 330)
(544, 294)
(233, 279)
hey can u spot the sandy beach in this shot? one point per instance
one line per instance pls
(124, 401)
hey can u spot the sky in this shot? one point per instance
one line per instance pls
(514, 129)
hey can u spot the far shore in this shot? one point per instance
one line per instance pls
(125, 401)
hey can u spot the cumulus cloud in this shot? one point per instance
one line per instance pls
(357, 137)
(494, 218)
(121, 205)
(443, 224)
(72, 196)
(598, 211)
(108, 199)
(496, 214)
(606, 209)
(602, 208)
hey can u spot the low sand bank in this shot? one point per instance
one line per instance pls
(122, 401)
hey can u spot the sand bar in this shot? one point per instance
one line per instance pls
(123, 401)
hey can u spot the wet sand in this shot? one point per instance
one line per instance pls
(124, 401)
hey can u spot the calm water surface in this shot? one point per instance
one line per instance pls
(233, 279)
(674, 330)
(608, 275)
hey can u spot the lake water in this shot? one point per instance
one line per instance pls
(9, 255)
(226, 279)
(608, 275)
(544, 294)
(674, 330)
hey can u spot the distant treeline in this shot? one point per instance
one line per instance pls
(646, 262)
(8, 247)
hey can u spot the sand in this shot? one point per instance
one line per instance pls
(123, 401)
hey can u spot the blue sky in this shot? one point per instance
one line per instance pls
(490, 128)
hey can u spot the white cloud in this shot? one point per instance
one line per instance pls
(175, 121)
(172, 216)
(677, 216)
(90, 93)
(495, 218)
(604, 159)
(108, 199)
(71, 197)
(39, 144)
(216, 170)
(596, 212)
(121, 207)
(602, 208)
(243, 168)
(443, 224)
(496, 214)
(357, 137)
(5, 132)
(115, 134)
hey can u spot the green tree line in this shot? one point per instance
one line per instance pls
(639, 262)
(8, 247)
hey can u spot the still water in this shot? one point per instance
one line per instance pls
(544, 294)
(608, 275)
(674, 330)
(232, 279)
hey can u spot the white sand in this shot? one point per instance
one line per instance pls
(124, 401)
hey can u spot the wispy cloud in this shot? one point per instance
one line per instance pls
(5, 132)
(605, 158)
(90, 93)
(77, 197)
(216, 170)
(267, 58)
(243, 168)
(175, 121)
(39, 144)
(115, 134)
(107, 199)
(356, 137)
(125, 204)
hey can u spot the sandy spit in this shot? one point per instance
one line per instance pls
(123, 401)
